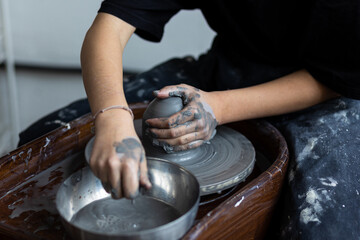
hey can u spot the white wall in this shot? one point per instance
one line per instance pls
(5, 126)
(50, 33)
(186, 34)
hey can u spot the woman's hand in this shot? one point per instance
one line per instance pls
(118, 158)
(189, 128)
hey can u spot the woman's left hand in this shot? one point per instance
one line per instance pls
(189, 128)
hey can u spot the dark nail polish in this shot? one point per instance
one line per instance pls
(106, 187)
(135, 194)
(156, 93)
(155, 142)
(153, 134)
(114, 194)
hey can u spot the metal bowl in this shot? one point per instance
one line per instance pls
(175, 191)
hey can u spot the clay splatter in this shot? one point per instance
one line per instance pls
(307, 150)
(316, 203)
(57, 121)
(329, 181)
(47, 141)
(240, 201)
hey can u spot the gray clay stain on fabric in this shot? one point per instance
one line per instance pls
(324, 177)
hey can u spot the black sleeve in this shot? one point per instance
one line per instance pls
(148, 17)
(331, 49)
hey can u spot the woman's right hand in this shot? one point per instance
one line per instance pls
(118, 157)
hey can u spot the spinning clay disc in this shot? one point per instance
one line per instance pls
(222, 163)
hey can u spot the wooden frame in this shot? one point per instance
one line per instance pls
(32, 174)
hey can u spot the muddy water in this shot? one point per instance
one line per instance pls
(119, 216)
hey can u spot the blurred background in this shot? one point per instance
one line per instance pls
(40, 42)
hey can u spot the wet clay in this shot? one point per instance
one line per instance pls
(119, 216)
(220, 163)
(159, 108)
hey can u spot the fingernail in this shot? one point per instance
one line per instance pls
(148, 185)
(156, 93)
(106, 187)
(114, 193)
(153, 134)
(150, 133)
(148, 181)
(134, 195)
(155, 142)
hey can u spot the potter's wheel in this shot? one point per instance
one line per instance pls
(220, 164)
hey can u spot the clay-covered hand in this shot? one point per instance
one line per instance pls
(189, 128)
(118, 158)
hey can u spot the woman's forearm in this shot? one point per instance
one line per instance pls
(101, 61)
(290, 93)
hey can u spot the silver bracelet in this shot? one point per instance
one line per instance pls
(114, 107)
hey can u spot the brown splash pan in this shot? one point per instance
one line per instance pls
(31, 175)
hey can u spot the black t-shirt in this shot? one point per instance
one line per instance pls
(320, 36)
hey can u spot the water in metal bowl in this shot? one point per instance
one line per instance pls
(166, 211)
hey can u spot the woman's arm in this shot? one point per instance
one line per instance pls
(117, 155)
(101, 61)
(204, 110)
(290, 93)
